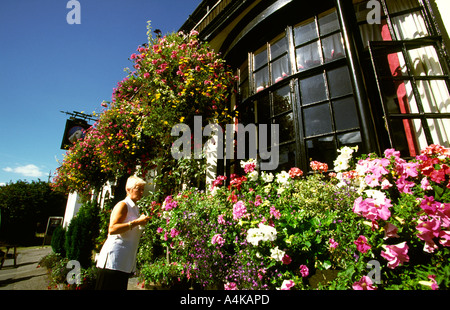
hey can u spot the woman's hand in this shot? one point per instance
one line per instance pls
(142, 220)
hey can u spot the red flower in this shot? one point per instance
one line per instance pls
(295, 172)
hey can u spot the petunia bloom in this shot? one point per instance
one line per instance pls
(286, 285)
(396, 254)
(362, 245)
(365, 284)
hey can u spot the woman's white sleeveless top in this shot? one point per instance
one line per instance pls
(119, 251)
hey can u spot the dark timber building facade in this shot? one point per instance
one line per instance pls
(335, 73)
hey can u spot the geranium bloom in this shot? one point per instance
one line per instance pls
(304, 271)
(174, 232)
(217, 238)
(364, 284)
(318, 166)
(295, 172)
(396, 254)
(362, 245)
(269, 232)
(286, 285)
(237, 181)
(239, 210)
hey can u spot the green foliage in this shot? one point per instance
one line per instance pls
(25, 208)
(82, 233)
(58, 241)
(162, 273)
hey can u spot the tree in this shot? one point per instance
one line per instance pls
(25, 208)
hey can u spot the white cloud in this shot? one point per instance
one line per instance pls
(27, 171)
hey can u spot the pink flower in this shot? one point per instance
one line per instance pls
(275, 213)
(403, 185)
(250, 167)
(410, 169)
(220, 219)
(429, 205)
(429, 229)
(396, 254)
(445, 238)
(372, 209)
(434, 285)
(443, 212)
(385, 184)
(304, 271)
(333, 243)
(146, 75)
(231, 286)
(390, 231)
(286, 285)
(365, 284)
(174, 232)
(362, 245)
(218, 239)
(391, 152)
(239, 210)
(372, 180)
(424, 184)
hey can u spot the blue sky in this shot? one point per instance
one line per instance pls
(48, 66)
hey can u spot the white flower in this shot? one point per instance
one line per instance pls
(254, 235)
(379, 196)
(245, 163)
(262, 233)
(277, 254)
(341, 162)
(283, 178)
(253, 176)
(269, 232)
(267, 177)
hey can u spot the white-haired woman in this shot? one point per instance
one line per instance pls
(117, 259)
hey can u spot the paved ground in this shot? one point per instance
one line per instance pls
(27, 275)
